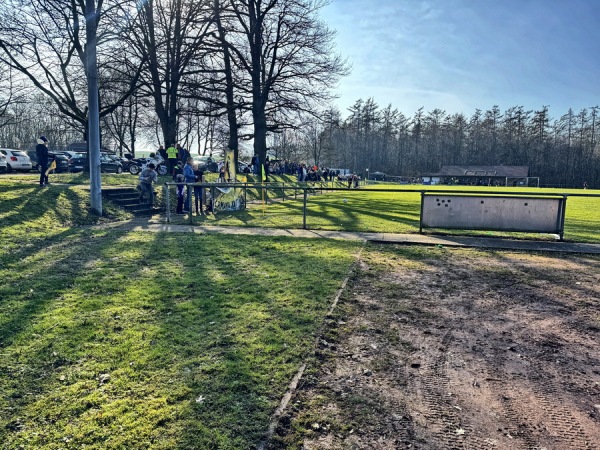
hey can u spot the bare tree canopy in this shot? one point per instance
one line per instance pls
(44, 40)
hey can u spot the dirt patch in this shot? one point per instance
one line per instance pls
(445, 349)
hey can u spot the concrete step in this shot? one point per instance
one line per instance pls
(128, 199)
(147, 212)
(125, 199)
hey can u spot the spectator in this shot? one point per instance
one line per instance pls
(255, 163)
(178, 170)
(267, 168)
(189, 177)
(198, 190)
(163, 153)
(147, 177)
(180, 194)
(172, 158)
(41, 151)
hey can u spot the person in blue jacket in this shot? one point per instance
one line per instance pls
(189, 177)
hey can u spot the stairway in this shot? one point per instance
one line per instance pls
(128, 199)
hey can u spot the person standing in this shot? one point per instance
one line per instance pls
(180, 189)
(255, 162)
(178, 170)
(163, 154)
(147, 177)
(267, 168)
(189, 177)
(198, 194)
(172, 157)
(182, 153)
(41, 151)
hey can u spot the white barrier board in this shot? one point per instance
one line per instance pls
(541, 215)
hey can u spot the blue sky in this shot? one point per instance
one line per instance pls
(459, 55)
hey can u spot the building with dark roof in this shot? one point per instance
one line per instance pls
(479, 175)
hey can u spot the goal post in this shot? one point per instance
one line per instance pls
(523, 181)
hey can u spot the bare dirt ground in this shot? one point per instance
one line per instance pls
(433, 348)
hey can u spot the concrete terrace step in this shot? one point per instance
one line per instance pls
(128, 199)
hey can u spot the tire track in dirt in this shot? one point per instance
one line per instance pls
(450, 430)
(464, 351)
(568, 429)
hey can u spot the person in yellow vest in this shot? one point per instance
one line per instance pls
(172, 157)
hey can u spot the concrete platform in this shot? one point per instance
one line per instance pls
(155, 226)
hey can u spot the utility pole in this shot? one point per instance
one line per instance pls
(93, 108)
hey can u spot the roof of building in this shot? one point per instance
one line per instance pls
(481, 171)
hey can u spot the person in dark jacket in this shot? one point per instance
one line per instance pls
(41, 151)
(147, 177)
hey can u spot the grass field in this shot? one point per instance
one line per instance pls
(362, 210)
(114, 340)
(392, 212)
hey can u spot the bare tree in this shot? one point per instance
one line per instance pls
(45, 41)
(288, 57)
(171, 36)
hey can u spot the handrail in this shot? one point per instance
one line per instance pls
(307, 187)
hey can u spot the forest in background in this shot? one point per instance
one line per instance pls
(257, 76)
(562, 151)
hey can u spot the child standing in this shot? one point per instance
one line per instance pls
(180, 194)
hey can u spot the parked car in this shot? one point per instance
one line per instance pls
(377, 176)
(205, 163)
(244, 167)
(70, 154)
(2, 163)
(16, 160)
(107, 164)
(62, 162)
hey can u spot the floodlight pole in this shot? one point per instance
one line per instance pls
(93, 108)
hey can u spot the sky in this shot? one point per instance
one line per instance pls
(460, 55)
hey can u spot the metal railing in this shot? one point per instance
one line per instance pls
(195, 191)
(309, 188)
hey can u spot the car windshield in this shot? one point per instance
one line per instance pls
(79, 155)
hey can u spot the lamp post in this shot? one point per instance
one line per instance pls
(93, 131)
(367, 174)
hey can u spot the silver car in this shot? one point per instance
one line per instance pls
(16, 160)
(2, 163)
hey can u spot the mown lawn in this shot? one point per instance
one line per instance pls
(392, 212)
(132, 340)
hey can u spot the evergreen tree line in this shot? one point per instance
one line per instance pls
(562, 152)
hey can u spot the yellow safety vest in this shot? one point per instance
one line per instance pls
(172, 153)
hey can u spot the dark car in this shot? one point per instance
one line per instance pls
(62, 162)
(378, 176)
(107, 164)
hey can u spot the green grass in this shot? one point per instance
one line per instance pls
(391, 212)
(115, 340)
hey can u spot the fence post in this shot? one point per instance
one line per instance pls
(421, 215)
(304, 210)
(166, 190)
(190, 203)
(283, 191)
(212, 199)
(246, 195)
(563, 213)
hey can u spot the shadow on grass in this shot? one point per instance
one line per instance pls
(225, 321)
